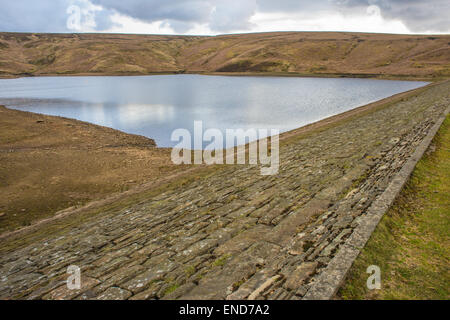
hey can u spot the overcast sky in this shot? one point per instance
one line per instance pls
(209, 17)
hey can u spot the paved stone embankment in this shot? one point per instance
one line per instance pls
(234, 234)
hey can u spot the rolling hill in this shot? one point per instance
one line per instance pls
(318, 53)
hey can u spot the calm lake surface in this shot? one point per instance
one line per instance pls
(154, 106)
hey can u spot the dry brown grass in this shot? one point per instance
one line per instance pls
(51, 163)
(306, 53)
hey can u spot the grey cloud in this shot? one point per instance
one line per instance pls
(293, 5)
(157, 10)
(25, 16)
(180, 15)
(233, 15)
(103, 20)
(178, 26)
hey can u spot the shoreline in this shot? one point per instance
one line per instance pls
(237, 74)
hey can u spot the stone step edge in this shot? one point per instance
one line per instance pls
(334, 275)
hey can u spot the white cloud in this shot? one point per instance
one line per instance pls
(327, 21)
(125, 24)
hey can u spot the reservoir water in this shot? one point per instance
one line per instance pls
(154, 106)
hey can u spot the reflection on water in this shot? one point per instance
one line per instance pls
(121, 116)
(154, 106)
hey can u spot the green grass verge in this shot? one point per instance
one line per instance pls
(411, 244)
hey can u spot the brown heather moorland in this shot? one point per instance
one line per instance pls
(297, 53)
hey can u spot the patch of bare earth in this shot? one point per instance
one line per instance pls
(49, 163)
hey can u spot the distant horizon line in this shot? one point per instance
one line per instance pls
(222, 34)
